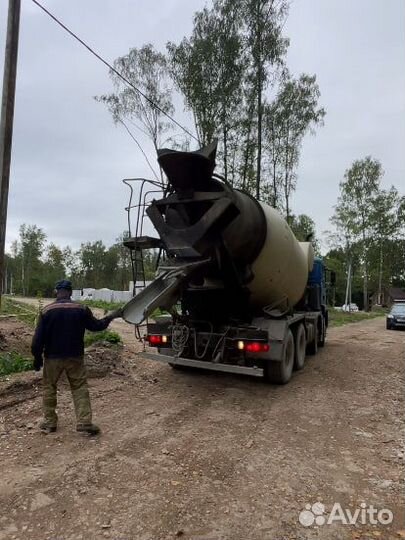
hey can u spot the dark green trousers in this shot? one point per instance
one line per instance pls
(76, 374)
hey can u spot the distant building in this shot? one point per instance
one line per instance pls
(389, 296)
(108, 295)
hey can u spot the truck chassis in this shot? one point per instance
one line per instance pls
(269, 348)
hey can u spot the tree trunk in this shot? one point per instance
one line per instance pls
(349, 277)
(275, 195)
(365, 288)
(380, 273)
(247, 149)
(365, 278)
(23, 274)
(259, 103)
(225, 135)
(274, 167)
(259, 139)
(287, 176)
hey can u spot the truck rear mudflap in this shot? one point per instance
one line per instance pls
(204, 364)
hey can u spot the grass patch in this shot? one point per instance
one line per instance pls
(158, 313)
(340, 318)
(101, 304)
(105, 335)
(23, 312)
(13, 362)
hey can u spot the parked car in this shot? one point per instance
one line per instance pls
(396, 317)
(350, 307)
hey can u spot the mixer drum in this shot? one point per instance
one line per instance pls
(205, 218)
(282, 266)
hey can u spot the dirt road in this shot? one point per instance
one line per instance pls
(214, 456)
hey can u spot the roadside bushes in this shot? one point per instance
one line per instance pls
(14, 362)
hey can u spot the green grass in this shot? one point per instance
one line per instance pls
(158, 313)
(14, 362)
(101, 304)
(23, 312)
(340, 318)
(105, 335)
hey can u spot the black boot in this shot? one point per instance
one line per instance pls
(90, 429)
(47, 428)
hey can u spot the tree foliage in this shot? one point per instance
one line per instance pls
(293, 113)
(33, 266)
(370, 228)
(27, 253)
(267, 48)
(232, 76)
(303, 227)
(207, 69)
(147, 70)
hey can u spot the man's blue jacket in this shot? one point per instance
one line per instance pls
(60, 329)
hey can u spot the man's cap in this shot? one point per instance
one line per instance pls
(63, 284)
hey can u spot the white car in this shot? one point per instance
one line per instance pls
(350, 307)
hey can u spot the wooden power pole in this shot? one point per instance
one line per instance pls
(7, 116)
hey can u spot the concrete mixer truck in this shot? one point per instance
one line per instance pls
(241, 294)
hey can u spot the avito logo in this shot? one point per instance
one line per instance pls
(315, 514)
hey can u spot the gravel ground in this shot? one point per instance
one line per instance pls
(199, 455)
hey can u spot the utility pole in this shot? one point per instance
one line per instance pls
(348, 296)
(6, 122)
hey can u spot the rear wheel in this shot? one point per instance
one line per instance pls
(300, 347)
(280, 372)
(312, 347)
(322, 332)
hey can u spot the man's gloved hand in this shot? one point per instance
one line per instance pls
(116, 314)
(38, 363)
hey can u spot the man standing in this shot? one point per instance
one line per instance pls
(59, 338)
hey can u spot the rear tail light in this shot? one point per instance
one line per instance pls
(157, 339)
(253, 346)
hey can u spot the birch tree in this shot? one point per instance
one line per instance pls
(355, 209)
(294, 112)
(147, 70)
(208, 70)
(266, 45)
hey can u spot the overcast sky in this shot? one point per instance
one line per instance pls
(69, 158)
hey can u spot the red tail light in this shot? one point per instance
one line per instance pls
(256, 346)
(253, 346)
(157, 339)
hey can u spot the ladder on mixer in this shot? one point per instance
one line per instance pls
(138, 242)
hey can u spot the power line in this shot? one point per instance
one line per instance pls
(140, 148)
(112, 68)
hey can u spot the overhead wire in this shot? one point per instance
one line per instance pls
(113, 69)
(140, 148)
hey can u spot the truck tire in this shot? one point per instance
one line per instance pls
(322, 334)
(280, 372)
(300, 347)
(312, 347)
